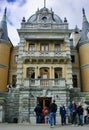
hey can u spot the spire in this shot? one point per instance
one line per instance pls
(84, 15)
(76, 30)
(85, 27)
(83, 11)
(3, 26)
(44, 3)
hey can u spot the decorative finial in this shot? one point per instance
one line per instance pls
(65, 20)
(5, 11)
(23, 20)
(84, 15)
(44, 3)
(83, 11)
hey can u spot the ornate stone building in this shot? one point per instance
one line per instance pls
(47, 64)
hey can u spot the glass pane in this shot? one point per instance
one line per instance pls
(46, 47)
(31, 47)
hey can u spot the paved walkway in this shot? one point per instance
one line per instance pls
(40, 127)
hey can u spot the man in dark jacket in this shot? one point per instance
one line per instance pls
(63, 114)
(38, 111)
(80, 114)
(52, 116)
(73, 112)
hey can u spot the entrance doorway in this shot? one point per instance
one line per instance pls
(44, 102)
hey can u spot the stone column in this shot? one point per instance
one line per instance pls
(69, 65)
(24, 106)
(19, 66)
(19, 74)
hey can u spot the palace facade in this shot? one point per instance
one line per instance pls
(46, 64)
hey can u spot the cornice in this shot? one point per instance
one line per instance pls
(84, 66)
(82, 43)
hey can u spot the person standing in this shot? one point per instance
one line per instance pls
(73, 112)
(43, 114)
(46, 116)
(52, 115)
(80, 111)
(38, 111)
(63, 114)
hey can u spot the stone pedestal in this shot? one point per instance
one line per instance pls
(1, 114)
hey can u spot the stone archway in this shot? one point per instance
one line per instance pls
(44, 73)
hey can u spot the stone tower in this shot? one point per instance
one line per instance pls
(5, 48)
(84, 54)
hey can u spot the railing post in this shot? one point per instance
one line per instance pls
(62, 82)
(26, 82)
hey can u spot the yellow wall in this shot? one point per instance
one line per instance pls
(84, 60)
(3, 79)
(76, 64)
(84, 54)
(4, 54)
(4, 62)
(13, 65)
(85, 79)
(51, 45)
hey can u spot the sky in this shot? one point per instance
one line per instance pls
(17, 9)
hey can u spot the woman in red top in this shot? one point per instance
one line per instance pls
(43, 114)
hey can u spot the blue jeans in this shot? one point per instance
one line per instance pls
(80, 119)
(38, 119)
(63, 119)
(46, 119)
(52, 118)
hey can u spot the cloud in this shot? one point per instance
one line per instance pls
(22, 2)
(17, 9)
(13, 35)
(19, 2)
(11, 1)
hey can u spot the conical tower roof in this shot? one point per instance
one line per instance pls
(85, 27)
(3, 27)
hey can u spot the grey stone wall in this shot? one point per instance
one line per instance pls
(18, 104)
(12, 106)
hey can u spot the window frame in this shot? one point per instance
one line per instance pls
(73, 59)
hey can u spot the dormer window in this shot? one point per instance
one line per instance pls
(44, 19)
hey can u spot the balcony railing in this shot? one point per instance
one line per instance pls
(44, 53)
(44, 82)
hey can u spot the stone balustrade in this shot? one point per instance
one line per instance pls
(44, 82)
(44, 53)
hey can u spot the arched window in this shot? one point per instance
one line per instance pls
(31, 72)
(44, 73)
(58, 73)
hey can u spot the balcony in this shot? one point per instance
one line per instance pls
(47, 83)
(39, 54)
(44, 53)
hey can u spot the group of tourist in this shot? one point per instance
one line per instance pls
(48, 115)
